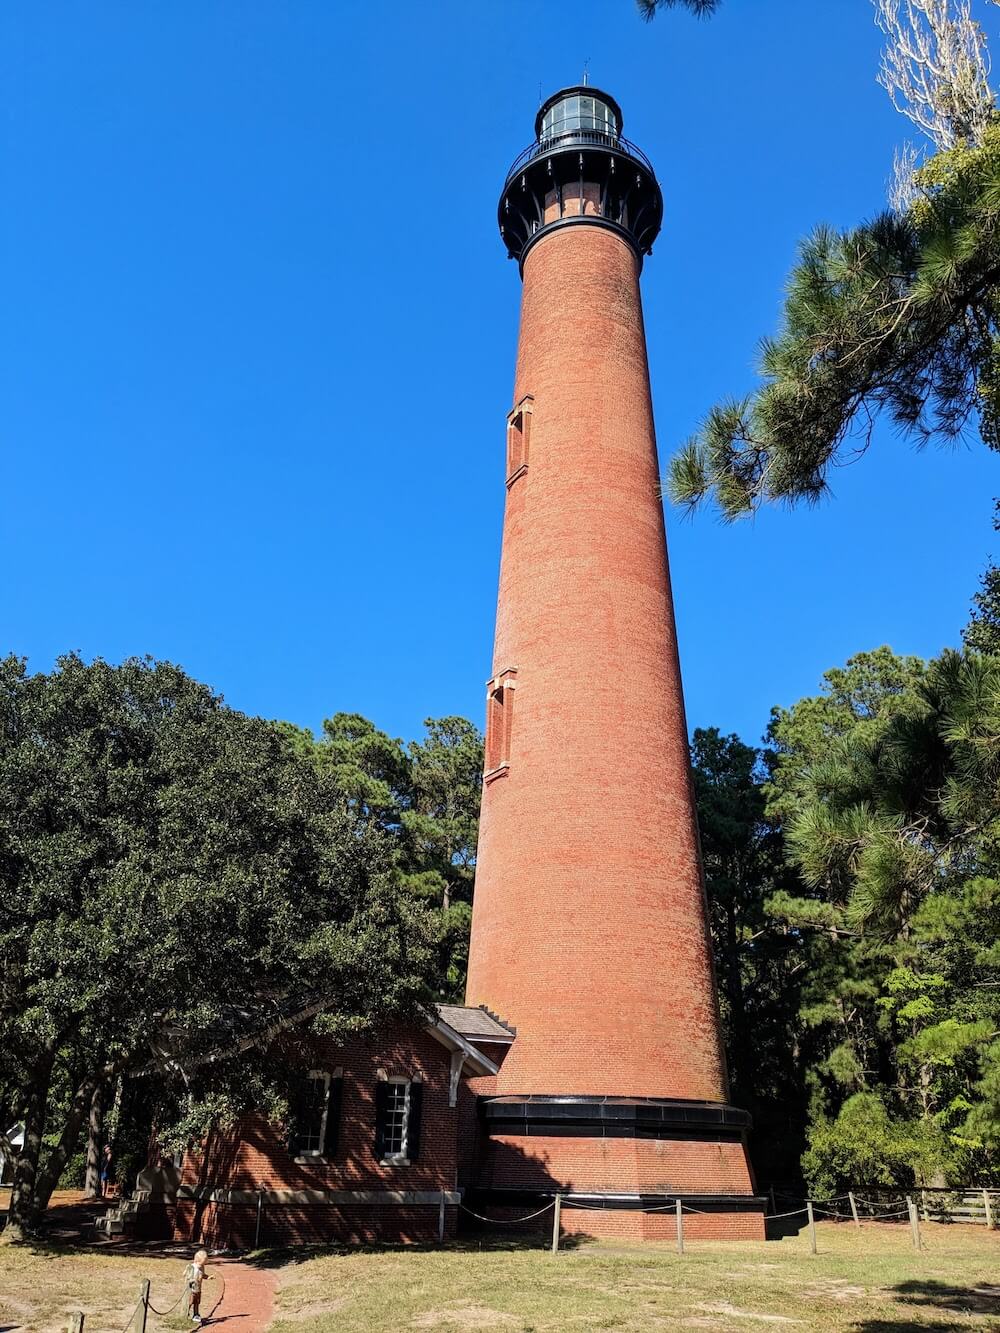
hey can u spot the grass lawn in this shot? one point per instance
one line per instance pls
(870, 1280)
(41, 1288)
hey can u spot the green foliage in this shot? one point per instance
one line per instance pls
(700, 8)
(899, 316)
(172, 872)
(864, 1145)
(889, 786)
(425, 797)
(755, 963)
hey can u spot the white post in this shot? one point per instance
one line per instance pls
(854, 1208)
(680, 1227)
(260, 1209)
(556, 1218)
(987, 1204)
(812, 1226)
(441, 1217)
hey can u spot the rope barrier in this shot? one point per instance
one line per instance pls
(507, 1221)
(138, 1306)
(170, 1309)
(773, 1217)
(222, 1295)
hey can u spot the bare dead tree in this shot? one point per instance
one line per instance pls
(936, 68)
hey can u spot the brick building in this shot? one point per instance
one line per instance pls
(590, 938)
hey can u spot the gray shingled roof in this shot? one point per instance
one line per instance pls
(475, 1024)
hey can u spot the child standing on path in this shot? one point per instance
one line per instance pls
(194, 1276)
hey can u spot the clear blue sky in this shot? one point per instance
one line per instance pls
(260, 331)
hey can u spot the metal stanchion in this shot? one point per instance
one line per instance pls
(144, 1303)
(556, 1219)
(680, 1227)
(812, 1226)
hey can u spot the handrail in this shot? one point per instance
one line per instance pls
(573, 139)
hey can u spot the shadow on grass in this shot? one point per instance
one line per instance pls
(286, 1255)
(905, 1326)
(926, 1293)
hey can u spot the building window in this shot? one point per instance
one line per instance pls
(397, 1121)
(499, 722)
(519, 439)
(315, 1113)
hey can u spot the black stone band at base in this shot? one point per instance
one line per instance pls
(613, 1117)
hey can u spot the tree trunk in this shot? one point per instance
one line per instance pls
(48, 1177)
(95, 1144)
(22, 1192)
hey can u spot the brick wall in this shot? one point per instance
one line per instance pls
(254, 1155)
(589, 929)
(614, 1165)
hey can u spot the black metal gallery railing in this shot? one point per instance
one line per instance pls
(578, 139)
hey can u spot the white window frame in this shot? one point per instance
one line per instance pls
(400, 1158)
(311, 1154)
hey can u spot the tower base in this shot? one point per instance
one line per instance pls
(620, 1164)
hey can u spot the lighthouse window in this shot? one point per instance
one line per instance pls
(576, 113)
(499, 717)
(518, 437)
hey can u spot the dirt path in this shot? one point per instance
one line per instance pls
(246, 1304)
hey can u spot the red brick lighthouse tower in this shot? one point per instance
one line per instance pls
(589, 931)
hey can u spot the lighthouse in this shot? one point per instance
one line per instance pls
(589, 931)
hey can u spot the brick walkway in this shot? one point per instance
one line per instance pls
(246, 1304)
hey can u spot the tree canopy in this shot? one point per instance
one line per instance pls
(170, 870)
(899, 317)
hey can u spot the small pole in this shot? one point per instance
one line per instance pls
(441, 1218)
(260, 1210)
(812, 1226)
(914, 1222)
(680, 1227)
(76, 1322)
(556, 1218)
(144, 1302)
(774, 1206)
(854, 1208)
(987, 1204)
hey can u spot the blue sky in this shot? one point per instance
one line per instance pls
(260, 337)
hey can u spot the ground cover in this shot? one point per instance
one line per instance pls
(42, 1287)
(870, 1281)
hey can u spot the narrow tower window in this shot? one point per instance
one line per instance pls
(519, 439)
(499, 721)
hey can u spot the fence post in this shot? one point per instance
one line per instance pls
(556, 1219)
(774, 1206)
(144, 1302)
(854, 1208)
(680, 1227)
(812, 1226)
(260, 1211)
(914, 1222)
(76, 1322)
(441, 1217)
(989, 1210)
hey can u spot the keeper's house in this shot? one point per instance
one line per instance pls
(381, 1143)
